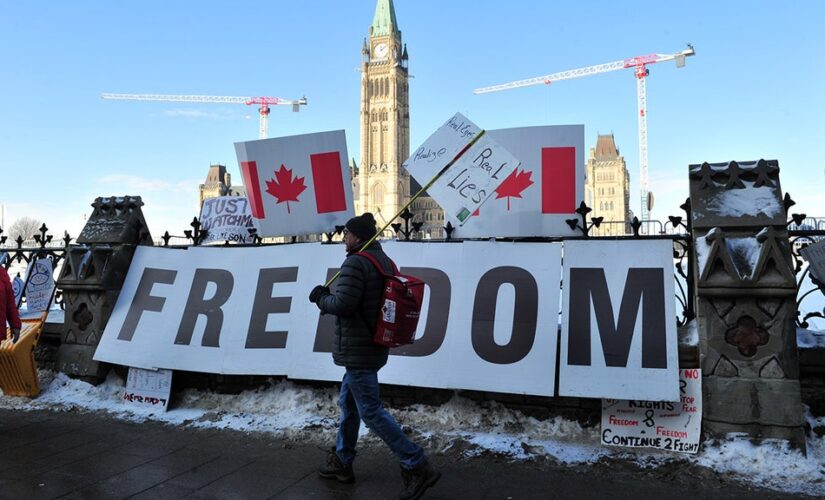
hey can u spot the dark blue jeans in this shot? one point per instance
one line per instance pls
(360, 401)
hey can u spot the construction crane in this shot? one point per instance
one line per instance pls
(264, 102)
(639, 64)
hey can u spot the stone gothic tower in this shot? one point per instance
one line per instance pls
(608, 186)
(383, 186)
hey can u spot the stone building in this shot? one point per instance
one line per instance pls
(381, 185)
(607, 190)
(218, 183)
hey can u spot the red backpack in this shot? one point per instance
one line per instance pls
(400, 306)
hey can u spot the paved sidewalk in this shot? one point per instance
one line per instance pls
(77, 455)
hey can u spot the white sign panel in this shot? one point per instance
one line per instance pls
(148, 387)
(672, 426)
(475, 175)
(618, 321)
(40, 285)
(538, 197)
(299, 184)
(489, 320)
(815, 255)
(226, 218)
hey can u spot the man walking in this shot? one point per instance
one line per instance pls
(356, 303)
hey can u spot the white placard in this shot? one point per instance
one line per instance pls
(226, 218)
(17, 288)
(538, 197)
(489, 320)
(39, 285)
(672, 426)
(148, 387)
(815, 255)
(474, 176)
(297, 185)
(618, 321)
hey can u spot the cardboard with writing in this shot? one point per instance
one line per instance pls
(148, 388)
(474, 176)
(227, 218)
(672, 426)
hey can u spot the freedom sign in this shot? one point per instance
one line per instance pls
(489, 320)
(299, 184)
(481, 164)
(537, 198)
(618, 328)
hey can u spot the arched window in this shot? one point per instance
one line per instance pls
(601, 205)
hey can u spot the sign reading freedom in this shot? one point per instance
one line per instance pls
(489, 321)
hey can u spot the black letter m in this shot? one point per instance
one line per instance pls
(642, 283)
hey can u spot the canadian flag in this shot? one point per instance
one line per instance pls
(299, 184)
(536, 198)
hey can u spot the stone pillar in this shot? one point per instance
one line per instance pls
(92, 277)
(746, 301)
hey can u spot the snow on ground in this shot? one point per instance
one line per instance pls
(290, 411)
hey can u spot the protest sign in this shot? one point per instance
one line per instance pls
(474, 176)
(815, 255)
(226, 218)
(17, 288)
(489, 321)
(618, 333)
(672, 426)
(297, 185)
(545, 191)
(148, 387)
(39, 285)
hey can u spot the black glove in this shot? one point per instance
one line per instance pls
(318, 292)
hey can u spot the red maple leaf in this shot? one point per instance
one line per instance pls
(513, 185)
(284, 188)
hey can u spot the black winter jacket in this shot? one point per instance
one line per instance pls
(356, 302)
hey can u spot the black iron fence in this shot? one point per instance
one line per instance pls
(803, 230)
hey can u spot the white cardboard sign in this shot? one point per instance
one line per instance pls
(227, 218)
(618, 321)
(672, 426)
(474, 176)
(148, 387)
(39, 286)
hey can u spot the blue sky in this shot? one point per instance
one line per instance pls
(754, 89)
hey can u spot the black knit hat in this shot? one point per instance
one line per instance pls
(362, 226)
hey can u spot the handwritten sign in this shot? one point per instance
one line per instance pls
(40, 285)
(815, 255)
(474, 176)
(17, 288)
(148, 387)
(672, 426)
(227, 218)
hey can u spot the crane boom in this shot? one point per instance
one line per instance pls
(639, 63)
(264, 103)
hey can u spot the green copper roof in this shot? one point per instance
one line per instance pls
(384, 21)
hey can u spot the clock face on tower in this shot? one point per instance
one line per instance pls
(381, 50)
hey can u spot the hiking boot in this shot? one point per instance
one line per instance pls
(335, 469)
(417, 480)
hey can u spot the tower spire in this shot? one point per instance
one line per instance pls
(384, 21)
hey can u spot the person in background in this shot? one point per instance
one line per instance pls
(356, 303)
(8, 308)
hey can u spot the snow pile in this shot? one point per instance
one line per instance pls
(750, 201)
(810, 339)
(290, 411)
